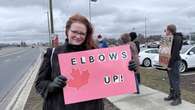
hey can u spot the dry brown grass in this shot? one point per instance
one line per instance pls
(157, 79)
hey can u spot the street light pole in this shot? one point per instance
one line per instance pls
(145, 28)
(51, 25)
(51, 16)
(48, 24)
(90, 8)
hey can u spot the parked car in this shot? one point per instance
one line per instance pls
(188, 42)
(147, 55)
(187, 54)
(153, 45)
(188, 57)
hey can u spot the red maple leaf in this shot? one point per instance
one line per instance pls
(79, 79)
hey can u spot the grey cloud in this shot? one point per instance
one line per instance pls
(188, 11)
(23, 20)
(131, 17)
(21, 3)
(27, 18)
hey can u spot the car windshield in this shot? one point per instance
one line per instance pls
(142, 49)
(152, 51)
(184, 49)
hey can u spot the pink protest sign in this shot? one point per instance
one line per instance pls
(97, 73)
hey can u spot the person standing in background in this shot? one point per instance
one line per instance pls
(173, 65)
(127, 40)
(101, 42)
(133, 37)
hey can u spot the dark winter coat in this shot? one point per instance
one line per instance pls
(55, 101)
(175, 49)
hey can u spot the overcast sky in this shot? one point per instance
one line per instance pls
(26, 20)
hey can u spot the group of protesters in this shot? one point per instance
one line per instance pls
(79, 31)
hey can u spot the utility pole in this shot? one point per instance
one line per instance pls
(145, 28)
(51, 20)
(90, 8)
(147, 40)
(48, 24)
(51, 16)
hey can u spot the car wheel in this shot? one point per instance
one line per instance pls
(147, 62)
(182, 67)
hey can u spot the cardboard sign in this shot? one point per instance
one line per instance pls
(165, 50)
(97, 73)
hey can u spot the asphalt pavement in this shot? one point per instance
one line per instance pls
(14, 63)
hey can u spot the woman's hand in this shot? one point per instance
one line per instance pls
(57, 83)
(132, 66)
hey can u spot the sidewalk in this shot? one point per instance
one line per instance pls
(149, 99)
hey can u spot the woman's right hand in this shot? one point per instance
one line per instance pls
(57, 83)
(132, 66)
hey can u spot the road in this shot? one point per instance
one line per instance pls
(14, 63)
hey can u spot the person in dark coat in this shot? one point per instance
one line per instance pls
(173, 65)
(49, 83)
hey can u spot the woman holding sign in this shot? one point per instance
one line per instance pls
(50, 82)
(126, 39)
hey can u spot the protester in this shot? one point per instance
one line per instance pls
(127, 40)
(49, 83)
(133, 37)
(173, 65)
(101, 42)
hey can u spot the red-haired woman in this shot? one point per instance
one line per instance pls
(50, 83)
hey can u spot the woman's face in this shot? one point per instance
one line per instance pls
(77, 33)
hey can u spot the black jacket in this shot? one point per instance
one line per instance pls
(55, 101)
(175, 49)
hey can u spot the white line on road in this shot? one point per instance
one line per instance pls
(13, 53)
